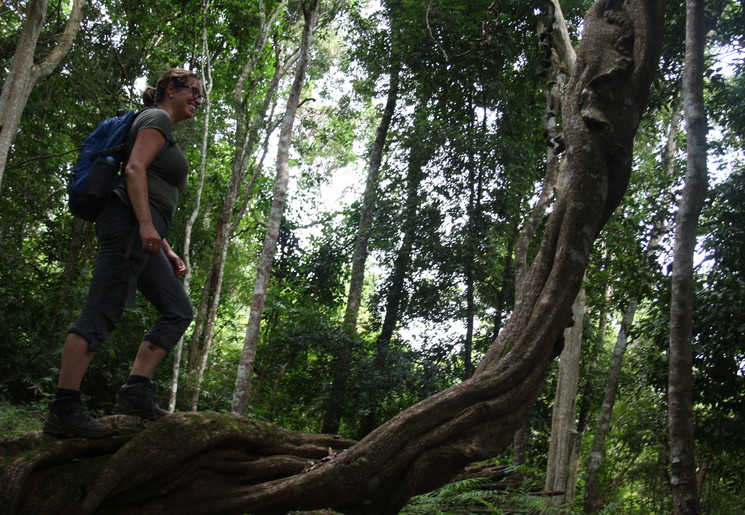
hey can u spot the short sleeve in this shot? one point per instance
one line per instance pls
(154, 119)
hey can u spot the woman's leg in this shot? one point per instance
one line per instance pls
(159, 284)
(104, 306)
(75, 360)
(68, 415)
(147, 358)
(135, 397)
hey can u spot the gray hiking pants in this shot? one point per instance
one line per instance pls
(121, 267)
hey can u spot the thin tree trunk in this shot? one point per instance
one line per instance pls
(228, 221)
(597, 453)
(680, 378)
(368, 204)
(401, 269)
(562, 41)
(474, 199)
(555, 75)
(474, 225)
(333, 412)
(275, 389)
(561, 466)
(186, 254)
(25, 73)
(250, 343)
(246, 139)
(520, 444)
(703, 471)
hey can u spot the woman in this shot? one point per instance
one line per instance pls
(133, 254)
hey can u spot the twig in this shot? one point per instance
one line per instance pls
(40, 158)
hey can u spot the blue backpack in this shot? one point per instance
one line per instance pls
(97, 170)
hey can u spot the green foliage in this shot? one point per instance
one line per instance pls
(481, 495)
(459, 494)
(17, 419)
(637, 445)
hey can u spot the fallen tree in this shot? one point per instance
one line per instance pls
(208, 463)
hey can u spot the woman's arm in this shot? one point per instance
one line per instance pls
(147, 145)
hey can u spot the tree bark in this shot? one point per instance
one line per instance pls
(429, 443)
(25, 73)
(223, 451)
(251, 341)
(554, 65)
(561, 470)
(680, 379)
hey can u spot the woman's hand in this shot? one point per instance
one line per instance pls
(179, 267)
(151, 240)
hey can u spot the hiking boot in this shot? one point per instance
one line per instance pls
(70, 417)
(137, 399)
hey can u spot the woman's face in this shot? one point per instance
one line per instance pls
(186, 100)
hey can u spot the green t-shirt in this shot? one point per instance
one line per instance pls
(167, 174)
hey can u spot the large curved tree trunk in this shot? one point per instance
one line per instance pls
(426, 445)
(99, 475)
